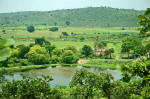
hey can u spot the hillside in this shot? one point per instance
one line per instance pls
(81, 17)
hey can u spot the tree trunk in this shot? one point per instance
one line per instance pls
(128, 55)
(110, 56)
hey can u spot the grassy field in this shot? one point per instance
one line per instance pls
(112, 36)
(106, 64)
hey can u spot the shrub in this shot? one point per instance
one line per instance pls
(64, 33)
(69, 57)
(55, 59)
(53, 29)
(30, 29)
(38, 55)
(29, 89)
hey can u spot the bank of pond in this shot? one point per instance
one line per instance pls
(61, 74)
(67, 82)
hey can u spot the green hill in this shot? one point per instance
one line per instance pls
(83, 17)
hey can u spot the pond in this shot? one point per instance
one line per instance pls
(61, 75)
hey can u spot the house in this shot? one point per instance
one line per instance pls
(99, 52)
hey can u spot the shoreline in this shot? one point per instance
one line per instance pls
(6, 70)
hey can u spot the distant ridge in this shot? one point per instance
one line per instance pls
(81, 17)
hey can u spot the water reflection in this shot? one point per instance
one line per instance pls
(61, 75)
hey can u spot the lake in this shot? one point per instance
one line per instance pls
(61, 75)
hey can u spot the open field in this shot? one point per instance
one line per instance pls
(112, 36)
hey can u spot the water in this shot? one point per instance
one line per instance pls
(61, 75)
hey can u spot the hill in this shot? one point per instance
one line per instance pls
(81, 17)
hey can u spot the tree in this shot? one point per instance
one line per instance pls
(69, 57)
(64, 33)
(72, 48)
(144, 21)
(30, 29)
(49, 47)
(140, 51)
(57, 52)
(101, 44)
(22, 50)
(29, 88)
(98, 44)
(129, 44)
(55, 23)
(4, 31)
(147, 47)
(53, 29)
(109, 52)
(82, 38)
(38, 55)
(40, 41)
(89, 81)
(67, 23)
(86, 50)
(138, 68)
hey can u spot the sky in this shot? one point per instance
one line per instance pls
(48, 5)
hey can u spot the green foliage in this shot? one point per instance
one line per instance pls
(86, 50)
(101, 44)
(57, 52)
(129, 44)
(148, 47)
(5, 48)
(91, 82)
(72, 48)
(109, 52)
(49, 47)
(40, 41)
(64, 33)
(81, 17)
(140, 50)
(29, 88)
(144, 21)
(4, 31)
(53, 29)
(22, 50)
(69, 57)
(55, 59)
(67, 23)
(139, 68)
(38, 55)
(123, 90)
(30, 29)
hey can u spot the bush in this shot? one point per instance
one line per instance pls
(30, 29)
(40, 41)
(55, 59)
(53, 29)
(24, 62)
(38, 55)
(72, 48)
(64, 33)
(69, 57)
(29, 89)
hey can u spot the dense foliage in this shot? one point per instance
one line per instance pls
(53, 29)
(145, 21)
(84, 85)
(30, 29)
(84, 17)
(38, 55)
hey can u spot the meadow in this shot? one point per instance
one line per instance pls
(112, 35)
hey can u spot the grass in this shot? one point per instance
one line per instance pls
(21, 68)
(112, 36)
(106, 64)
